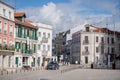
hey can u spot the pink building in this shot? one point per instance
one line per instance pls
(7, 39)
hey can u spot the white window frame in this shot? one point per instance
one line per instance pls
(5, 28)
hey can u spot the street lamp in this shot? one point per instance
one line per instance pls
(114, 42)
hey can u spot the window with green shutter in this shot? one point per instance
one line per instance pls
(24, 46)
(17, 45)
(35, 35)
(19, 32)
(27, 32)
(34, 48)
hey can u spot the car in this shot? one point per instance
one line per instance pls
(53, 65)
(26, 67)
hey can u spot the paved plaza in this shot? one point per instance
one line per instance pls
(65, 73)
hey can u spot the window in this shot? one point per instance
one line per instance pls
(31, 34)
(86, 49)
(24, 46)
(4, 12)
(108, 50)
(5, 28)
(112, 40)
(87, 29)
(10, 15)
(39, 47)
(16, 31)
(34, 48)
(97, 49)
(108, 40)
(39, 34)
(48, 47)
(17, 46)
(5, 41)
(96, 38)
(102, 39)
(0, 26)
(44, 34)
(11, 29)
(44, 47)
(86, 39)
(48, 35)
(112, 50)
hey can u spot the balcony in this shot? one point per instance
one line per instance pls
(85, 42)
(44, 40)
(6, 47)
(44, 52)
(85, 52)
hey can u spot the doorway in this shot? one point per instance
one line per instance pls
(86, 60)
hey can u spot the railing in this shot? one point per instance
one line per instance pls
(85, 53)
(44, 52)
(85, 42)
(44, 40)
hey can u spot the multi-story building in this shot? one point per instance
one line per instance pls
(44, 50)
(62, 46)
(98, 46)
(75, 47)
(7, 38)
(25, 41)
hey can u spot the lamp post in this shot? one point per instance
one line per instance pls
(114, 43)
(94, 50)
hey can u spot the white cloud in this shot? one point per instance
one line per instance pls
(51, 13)
(63, 16)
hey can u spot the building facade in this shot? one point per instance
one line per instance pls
(97, 46)
(25, 42)
(76, 47)
(44, 50)
(62, 46)
(7, 37)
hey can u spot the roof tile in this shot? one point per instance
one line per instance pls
(19, 14)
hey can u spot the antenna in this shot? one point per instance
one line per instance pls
(107, 22)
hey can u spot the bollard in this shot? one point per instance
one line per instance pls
(1, 72)
(16, 71)
(12, 72)
(61, 71)
(20, 70)
(7, 72)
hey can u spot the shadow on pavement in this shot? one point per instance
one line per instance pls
(44, 79)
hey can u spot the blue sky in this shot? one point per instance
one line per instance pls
(37, 3)
(65, 14)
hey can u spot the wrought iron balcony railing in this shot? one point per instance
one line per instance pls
(85, 52)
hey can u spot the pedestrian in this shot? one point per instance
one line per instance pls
(42, 65)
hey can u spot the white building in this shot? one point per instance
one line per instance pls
(98, 46)
(44, 50)
(25, 42)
